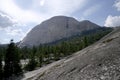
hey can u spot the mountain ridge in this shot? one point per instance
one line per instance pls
(56, 28)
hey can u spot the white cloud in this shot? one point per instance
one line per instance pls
(38, 11)
(41, 9)
(42, 2)
(0, 28)
(112, 21)
(64, 6)
(91, 10)
(117, 4)
(14, 32)
(4, 41)
(6, 21)
(9, 7)
(10, 26)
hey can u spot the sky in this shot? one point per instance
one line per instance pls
(18, 17)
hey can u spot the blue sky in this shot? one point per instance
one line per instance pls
(18, 17)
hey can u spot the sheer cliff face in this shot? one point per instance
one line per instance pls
(56, 28)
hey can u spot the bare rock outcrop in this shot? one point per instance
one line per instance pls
(56, 28)
(100, 61)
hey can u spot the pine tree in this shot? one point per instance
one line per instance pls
(85, 41)
(31, 65)
(40, 59)
(1, 71)
(39, 56)
(12, 61)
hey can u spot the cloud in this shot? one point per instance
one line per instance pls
(112, 21)
(91, 10)
(24, 16)
(6, 21)
(3, 41)
(64, 6)
(40, 9)
(31, 14)
(42, 2)
(14, 32)
(10, 25)
(117, 4)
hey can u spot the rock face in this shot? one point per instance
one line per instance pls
(56, 28)
(100, 61)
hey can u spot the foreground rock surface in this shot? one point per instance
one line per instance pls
(100, 61)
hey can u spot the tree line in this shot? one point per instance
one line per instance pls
(42, 55)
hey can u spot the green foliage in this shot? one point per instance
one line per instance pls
(12, 61)
(40, 59)
(45, 54)
(1, 70)
(31, 65)
(25, 52)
